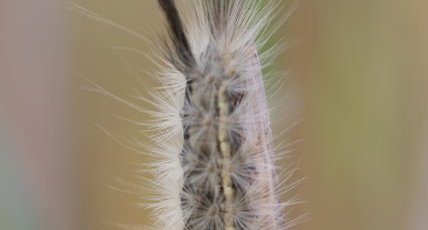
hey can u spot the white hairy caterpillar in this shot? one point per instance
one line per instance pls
(216, 161)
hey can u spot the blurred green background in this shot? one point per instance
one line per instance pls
(359, 77)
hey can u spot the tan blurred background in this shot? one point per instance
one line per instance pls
(360, 72)
(360, 66)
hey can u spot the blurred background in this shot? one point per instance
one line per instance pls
(358, 77)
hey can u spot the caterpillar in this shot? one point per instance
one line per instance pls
(215, 167)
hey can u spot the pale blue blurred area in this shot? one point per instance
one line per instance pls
(15, 213)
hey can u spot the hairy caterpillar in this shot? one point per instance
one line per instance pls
(216, 161)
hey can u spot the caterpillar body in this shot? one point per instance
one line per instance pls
(216, 161)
